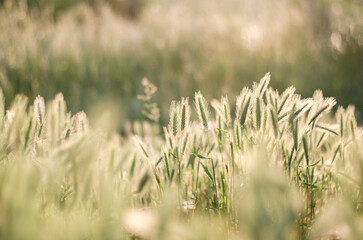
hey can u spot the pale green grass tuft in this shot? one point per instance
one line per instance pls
(269, 172)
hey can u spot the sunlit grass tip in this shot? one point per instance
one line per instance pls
(184, 114)
(174, 115)
(39, 109)
(202, 110)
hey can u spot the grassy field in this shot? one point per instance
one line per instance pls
(272, 166)
(145, 119)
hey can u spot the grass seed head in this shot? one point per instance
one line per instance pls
(202, 110)
(174, 116)
(184, 114)
(39, 109)
(226, 111)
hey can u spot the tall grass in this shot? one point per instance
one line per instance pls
(281, 167)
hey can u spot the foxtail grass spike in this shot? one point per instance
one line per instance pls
(274, 122)
(202, 109)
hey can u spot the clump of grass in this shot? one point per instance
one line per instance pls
(267, 172)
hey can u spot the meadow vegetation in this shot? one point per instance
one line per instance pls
(161, 159)
(273, 165)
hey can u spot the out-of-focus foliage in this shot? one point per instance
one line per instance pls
(91, 50)
(280, 167)
(127, 8)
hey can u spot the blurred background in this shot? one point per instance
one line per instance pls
(96, 51)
